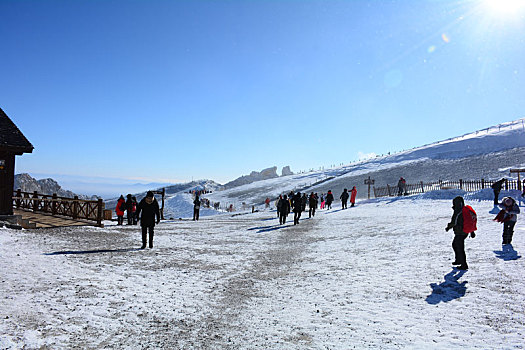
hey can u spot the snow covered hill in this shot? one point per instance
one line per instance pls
(487, 153)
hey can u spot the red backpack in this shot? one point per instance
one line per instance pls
(470, 219)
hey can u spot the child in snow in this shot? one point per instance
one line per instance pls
(508, 216)
(456, 224)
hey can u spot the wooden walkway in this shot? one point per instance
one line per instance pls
(42, 220)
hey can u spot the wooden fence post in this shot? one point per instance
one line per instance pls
(460, 184)
(482, 183)
(422, 187)
(100, 211)
(54, 204)
(388, 188)
(35, 201)
(75, 208)
(506, 184)
(375, 195)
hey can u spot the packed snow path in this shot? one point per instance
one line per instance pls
(377, 275)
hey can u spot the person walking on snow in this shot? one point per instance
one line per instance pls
(149, 207)
(312, 203)
(297, 207)
(284, 209)
(329, 200)
(344, 198)
(401, 187)
(196, 207)
(119, 209)
(496, 187)
(508, 216)
(322, 201)
(353, 195)
(129, 209)
(456, 224)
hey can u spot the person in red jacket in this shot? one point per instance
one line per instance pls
(352, 196)
(121, 207)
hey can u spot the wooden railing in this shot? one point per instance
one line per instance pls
(421, 187)
(70, 207)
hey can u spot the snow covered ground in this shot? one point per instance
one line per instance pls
(378, 275)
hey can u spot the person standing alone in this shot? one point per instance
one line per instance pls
(496, 187)
(456, 224)
(149, 208)
(196, 207)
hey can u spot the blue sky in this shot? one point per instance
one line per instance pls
(175, 90)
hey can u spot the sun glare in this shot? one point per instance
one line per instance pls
(505, 7)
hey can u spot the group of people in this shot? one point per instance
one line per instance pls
(129, 206)
(297, 202)
(148, 207)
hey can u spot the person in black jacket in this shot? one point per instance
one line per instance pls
(129, 209)
(196, 207)
(344, 198)
(312, 203)
(297, 207)
(456, 224)
(329, 200)
(496, 187)
(284, 209)
(149, 207)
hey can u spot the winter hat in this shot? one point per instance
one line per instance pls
(149, 194)
(508, 201)
(458, 202)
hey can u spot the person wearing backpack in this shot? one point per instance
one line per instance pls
(463, 220)
(508, 216)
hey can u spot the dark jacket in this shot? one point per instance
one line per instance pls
(496, 186)
(297, 203)
(456, 223)
(129, 204)
(149, 208)
(312, 202)
(329, 198)
(284, 206)
(344, 196)
(196, 203)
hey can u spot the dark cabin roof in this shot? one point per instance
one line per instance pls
(11, 138)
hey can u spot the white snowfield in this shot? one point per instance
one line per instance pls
(378, 275)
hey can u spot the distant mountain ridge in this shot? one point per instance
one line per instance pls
(27, 183)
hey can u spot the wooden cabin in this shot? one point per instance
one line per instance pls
(12, 143)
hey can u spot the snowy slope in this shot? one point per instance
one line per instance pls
(375, 276)
(487, 154)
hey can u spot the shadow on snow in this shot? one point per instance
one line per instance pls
(96, 251)
(507, 253)
(448, 290)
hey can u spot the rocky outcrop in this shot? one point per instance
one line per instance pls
(286, 171)
(27, 183)
(264, 174)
